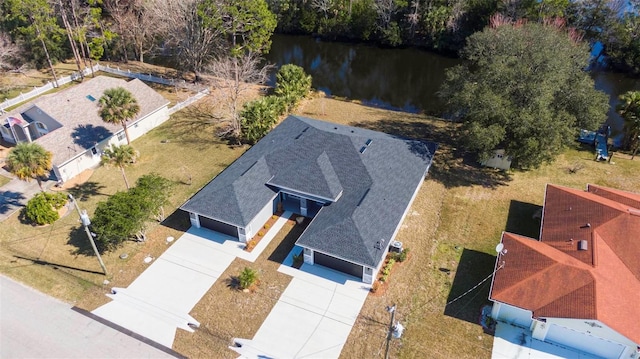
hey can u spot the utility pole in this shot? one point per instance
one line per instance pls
(84, 218)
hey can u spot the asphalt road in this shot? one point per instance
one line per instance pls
(34, 325)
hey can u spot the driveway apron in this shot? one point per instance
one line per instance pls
(160, 299)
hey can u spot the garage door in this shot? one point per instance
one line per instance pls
(218, 226)
(338, 264)
(582, 341)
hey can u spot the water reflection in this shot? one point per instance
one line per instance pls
(403, 79)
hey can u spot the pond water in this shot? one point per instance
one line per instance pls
(400, 79)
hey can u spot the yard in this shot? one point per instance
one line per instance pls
(451, 230)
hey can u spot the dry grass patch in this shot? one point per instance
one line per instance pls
(226, 312)
(452, 229)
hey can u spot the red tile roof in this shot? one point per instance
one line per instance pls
(552, 277)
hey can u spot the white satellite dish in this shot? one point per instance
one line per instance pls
(499, 248)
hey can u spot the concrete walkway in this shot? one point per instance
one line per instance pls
(34, 325)
(15, 194)
(160, 299)
(312, 318)
(511, 342)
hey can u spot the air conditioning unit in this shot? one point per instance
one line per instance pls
(396, 246)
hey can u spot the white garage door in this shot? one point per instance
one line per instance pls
(585, 342)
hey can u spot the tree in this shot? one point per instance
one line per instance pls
(120, 156)
(137, 25)
(629, 109)
(29, 160)
(523, 88)
(155, 190)
(292, 84)
(259, 116)
(9, 52)
(237, 76)
(118, 219)
(34, 21)
(118, 105)
(43, 207)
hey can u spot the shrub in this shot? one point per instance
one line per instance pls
(258, 117)
(292, 84)
(402, 256)
(261, 233)
(375, 286)
(251, 244)
(247, 278)
(43, 207)
(266, 226)
(298, 259)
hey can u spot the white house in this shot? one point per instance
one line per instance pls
(68, 125)
(579, 285)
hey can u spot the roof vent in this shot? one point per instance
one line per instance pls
(583, 245)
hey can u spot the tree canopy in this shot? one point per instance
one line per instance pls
(120, 156)
(29, 160)
(523, 88)
(118, 105)
(629, 109)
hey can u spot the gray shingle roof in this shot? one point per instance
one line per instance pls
(81, 124)
(326, 160)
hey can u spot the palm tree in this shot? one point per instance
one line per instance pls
(629, 109)
(28, 161)
(120, 156)
(117, 105)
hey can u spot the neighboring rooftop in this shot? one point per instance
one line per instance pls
(75, 110)
(584, 266)
(371, 188)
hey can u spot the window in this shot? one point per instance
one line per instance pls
(121, 136)
(41, 126)
(4, 130)
(94, 151)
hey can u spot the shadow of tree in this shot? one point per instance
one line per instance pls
(82, 192)
(524, 219)
(452, 165)
(9, 200)
(78, 238)
(472, 269)
(86, 136)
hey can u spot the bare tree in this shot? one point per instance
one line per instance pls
(322, 5)
(187, 32)
(235, 77)
(137, 25)
(385, 10)
(9, 51)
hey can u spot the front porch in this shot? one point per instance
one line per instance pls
(295, 205)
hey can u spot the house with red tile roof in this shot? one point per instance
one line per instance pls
(67, 123)
(578, 286)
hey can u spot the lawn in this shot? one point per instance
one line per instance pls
(451, 230)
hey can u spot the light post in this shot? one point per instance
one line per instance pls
(84, 218)
(394, 329)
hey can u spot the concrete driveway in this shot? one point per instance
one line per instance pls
(312, 318)
(160, 299)
(511, 342)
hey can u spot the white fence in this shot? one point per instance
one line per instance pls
(180, 105)
(116, 71)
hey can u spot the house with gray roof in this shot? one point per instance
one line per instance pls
(357, 186)
(68, 125)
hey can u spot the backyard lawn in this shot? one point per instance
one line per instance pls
(451, 230)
